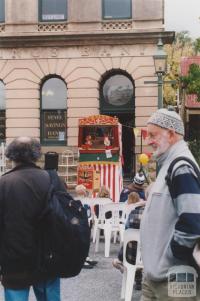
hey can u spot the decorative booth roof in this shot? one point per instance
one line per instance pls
(99, 120)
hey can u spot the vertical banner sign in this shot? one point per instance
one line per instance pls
(96, 181)
(86, 176)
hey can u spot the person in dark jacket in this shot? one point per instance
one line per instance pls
(23, 194)
(136, 186)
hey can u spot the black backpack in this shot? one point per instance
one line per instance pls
(168, 177)
(65, 235)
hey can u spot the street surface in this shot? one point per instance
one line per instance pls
(102, 283)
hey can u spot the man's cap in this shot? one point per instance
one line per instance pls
(139, 179)
(167, 119)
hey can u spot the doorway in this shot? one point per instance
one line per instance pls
(128, 143)
(117, 98)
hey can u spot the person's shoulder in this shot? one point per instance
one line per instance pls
(125, 190)
(182, 169)
(39, 171)
(130, 186)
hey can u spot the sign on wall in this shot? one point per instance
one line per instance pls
(55, 125)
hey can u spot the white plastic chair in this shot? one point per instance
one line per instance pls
(100, 202)
(129, 208)
(130, 269)
(110, 225)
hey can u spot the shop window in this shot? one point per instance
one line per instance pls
(116, 9)
(51, 11)
(2, 112)
(2, 11)
(53, 112)
(117, 94)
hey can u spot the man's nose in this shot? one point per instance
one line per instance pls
(148, 140)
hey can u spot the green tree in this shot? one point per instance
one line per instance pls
(191, 82)
(197, 46)
(182, 46)
(194, 146)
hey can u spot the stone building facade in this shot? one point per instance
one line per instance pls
(76, 52)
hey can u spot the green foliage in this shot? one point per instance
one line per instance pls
(182, 46)
(197, 46)
(194, 146)
(191, 82)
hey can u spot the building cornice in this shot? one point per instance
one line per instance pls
(74, 39)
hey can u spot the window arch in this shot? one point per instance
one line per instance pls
(117, 92)
(50, 11)
(2, 112)
(53, 111)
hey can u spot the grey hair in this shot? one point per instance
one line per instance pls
(23, 150)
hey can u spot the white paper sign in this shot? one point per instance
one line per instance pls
(61, 136)
(108, 153)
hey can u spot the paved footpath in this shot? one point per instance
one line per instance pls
(102, 283)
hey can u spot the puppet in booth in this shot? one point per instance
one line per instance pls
(88, 141)
(107, 142)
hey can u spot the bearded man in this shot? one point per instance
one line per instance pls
(170, 224)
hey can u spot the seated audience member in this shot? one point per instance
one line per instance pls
(136, 186)
(133, 198)
(82, 192)
(104, 192)
(133, 221)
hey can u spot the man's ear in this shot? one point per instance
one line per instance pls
(172, 135)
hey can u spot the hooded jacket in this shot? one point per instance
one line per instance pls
(171, 227)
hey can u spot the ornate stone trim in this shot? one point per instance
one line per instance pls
(52, 27)
(2, 27)
(119, 25)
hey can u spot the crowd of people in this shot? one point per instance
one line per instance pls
(168, 217)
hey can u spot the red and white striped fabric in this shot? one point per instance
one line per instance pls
(110, 176)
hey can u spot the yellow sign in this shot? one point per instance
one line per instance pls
(96, 181)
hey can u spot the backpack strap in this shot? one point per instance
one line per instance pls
(170, 170)
(56, 182)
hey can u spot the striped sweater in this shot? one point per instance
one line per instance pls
(186, 196)
(170, 228)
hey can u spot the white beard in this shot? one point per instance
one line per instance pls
(163, 146)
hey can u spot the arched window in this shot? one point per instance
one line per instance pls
(117, 93)
(53, 111)
(2, 112)
(117, 9)
(50, 11)
(2, 10)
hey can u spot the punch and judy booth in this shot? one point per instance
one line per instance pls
(100, 154)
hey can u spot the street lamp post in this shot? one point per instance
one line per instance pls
(160, 91)
(160, 62)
